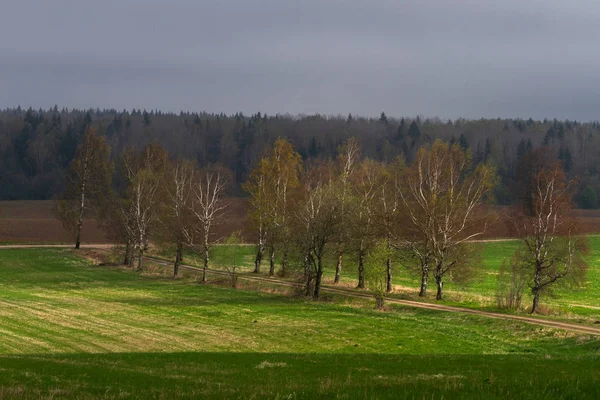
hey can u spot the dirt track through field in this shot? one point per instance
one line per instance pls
(353, 293)
(101, 246)
(417, 304)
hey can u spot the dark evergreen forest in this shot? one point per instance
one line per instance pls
(36, 146)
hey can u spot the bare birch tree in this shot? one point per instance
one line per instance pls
(271, 185)
(388, 211)
(177, 205)
(285, 167)
(366, 183)
(87, 183)
(260, 202)
(208, 207)
(318, 219)
(349, 156)
(552, 251)
(144, 172)
(441, 198)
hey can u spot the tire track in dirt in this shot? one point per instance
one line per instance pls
(101, 246)
(410, 303)
(352, 293)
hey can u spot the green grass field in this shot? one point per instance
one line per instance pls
(564, 303)
(70, 329)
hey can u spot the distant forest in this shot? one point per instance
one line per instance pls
(36, 146)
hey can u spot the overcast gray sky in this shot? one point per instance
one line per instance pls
(462, 58)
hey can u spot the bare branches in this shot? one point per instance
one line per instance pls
(270, 186)
(552, 249)
(145, 171)
(207, 208)
(87, 183)
(441, 197)
(318, 220)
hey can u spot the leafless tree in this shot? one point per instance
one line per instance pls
(144, 171)
(349, 157)
(441, 198)
(88, 183)
(260, 203)
(177, 216)
(271, 185)
(363, 212)
(318, 217)
(208, 207)
(388, 210)
(552, 251)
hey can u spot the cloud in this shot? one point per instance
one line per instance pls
(436, 58)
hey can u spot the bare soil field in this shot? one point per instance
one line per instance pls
(33, 221)
(589, 223)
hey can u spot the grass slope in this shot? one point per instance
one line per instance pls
(571, 303)
(70, 329)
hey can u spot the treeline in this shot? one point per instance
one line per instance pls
(423, 214)
(36, 146)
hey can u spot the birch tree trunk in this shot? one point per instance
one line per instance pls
(424, 279)
(178, 258)
(361, 268)
(259, 253)
(318, 278)
(284, 263)
(79, 225)
(440, 284)
(126, 260)
(338, 267)
(80, 218)
(140, 259)
(271, 260)
(205, 269)
(535, 290)
(389, 285)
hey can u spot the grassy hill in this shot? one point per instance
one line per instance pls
(70, 329)
(566, 303)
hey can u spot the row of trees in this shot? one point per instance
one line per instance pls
(427, 212)
(171, 201)
(37, 146)
(423, 215)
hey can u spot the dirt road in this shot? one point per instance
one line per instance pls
(410, 303)
(102, 246)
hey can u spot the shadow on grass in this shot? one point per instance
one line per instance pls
(284, 375)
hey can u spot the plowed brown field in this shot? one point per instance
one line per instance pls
(33, 221)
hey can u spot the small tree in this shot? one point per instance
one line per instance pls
(376, 271)
(144, 171)
(346, 162)
(233, 243)
(271, 185)
(176, 215)
(388, 209)
(87, 183)
(318, 219)
(512, 280)
(207, 209)
(551, 251)
(260, 203)
(364, 213)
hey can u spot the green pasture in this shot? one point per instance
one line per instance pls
(71, 329)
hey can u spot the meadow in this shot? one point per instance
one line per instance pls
(568, 303)
(71, 328)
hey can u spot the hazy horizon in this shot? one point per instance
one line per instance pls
(511, 59)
